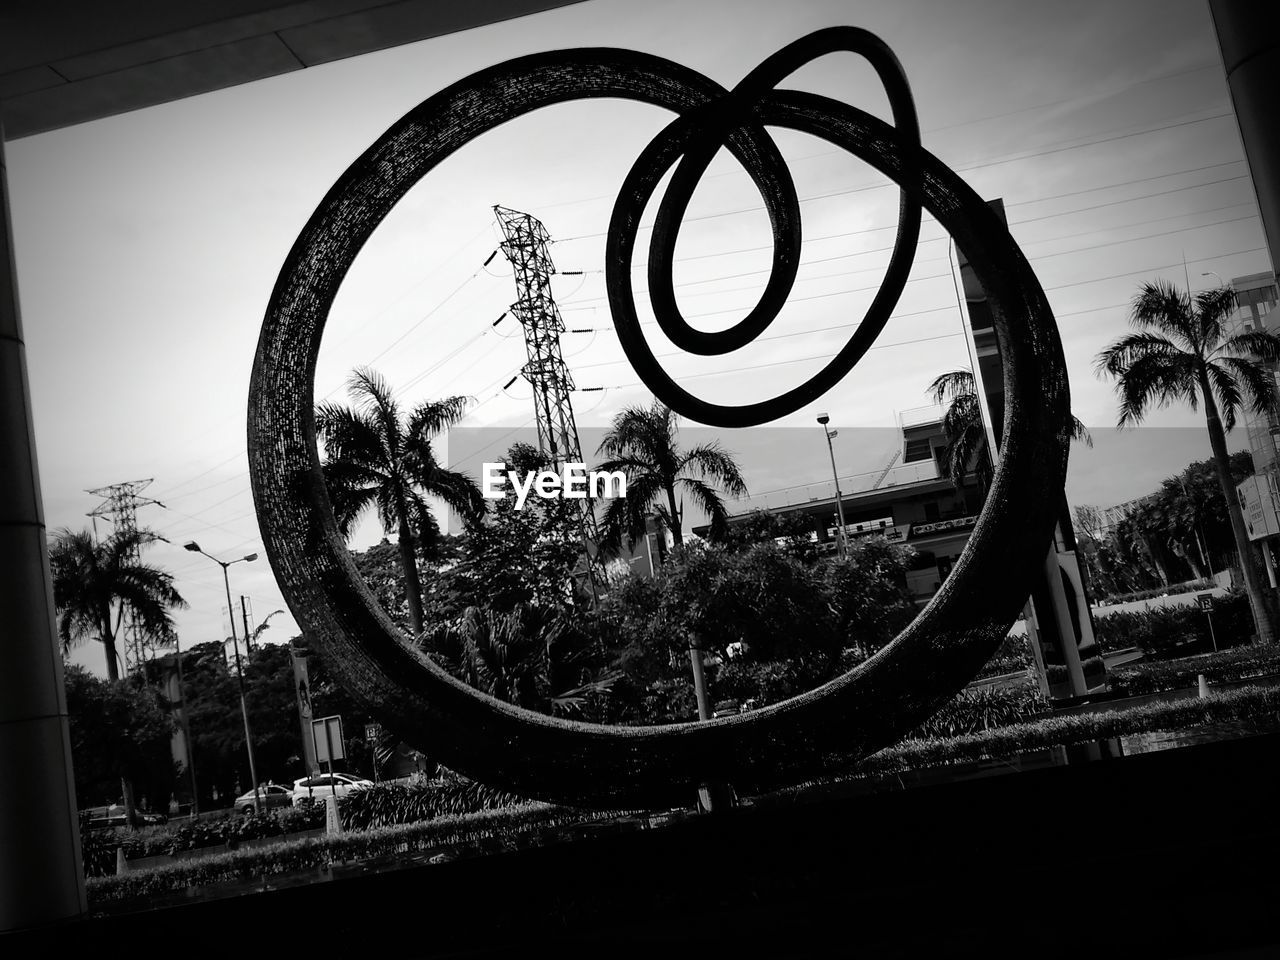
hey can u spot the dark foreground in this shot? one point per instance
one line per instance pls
(1157, 855)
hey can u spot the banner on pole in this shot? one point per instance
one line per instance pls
(302, 692)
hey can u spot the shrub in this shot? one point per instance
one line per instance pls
(388, 804)
(972, 711)
(761, 683)
(1013, 654)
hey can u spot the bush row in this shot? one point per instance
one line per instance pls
(1242, 663)
(499, 828)
(1172, 631)
(1247, 703)
(388, 804)
(1191, 586)
(98, 848)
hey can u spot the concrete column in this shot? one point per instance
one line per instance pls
(1249, 38)
(1062, 614)
(41, 880)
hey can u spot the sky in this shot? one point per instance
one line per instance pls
(147, 246)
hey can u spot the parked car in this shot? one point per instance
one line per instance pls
(269, 795)
(112, 817)
(327, 785)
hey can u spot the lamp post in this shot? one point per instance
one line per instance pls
(840, 540)
(235, 646)
(1214, 273)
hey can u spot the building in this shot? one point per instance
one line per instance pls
(1259, 495)
(914, 504)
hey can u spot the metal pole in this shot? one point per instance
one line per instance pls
(245, 613)
(699, 680)
(244, 709)
(844, 548)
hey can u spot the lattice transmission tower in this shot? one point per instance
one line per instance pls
(535, 308)
(120, 507)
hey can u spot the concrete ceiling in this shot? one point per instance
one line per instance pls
(64, 62)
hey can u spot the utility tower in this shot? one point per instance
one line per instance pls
(535, 308)
(120, 506)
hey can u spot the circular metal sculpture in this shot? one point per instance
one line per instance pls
(847, 718)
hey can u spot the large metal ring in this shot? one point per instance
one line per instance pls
(579, 763)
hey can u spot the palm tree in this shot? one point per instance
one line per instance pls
(374, 458)
(1181, 352)
(93, 586)
(519, 656)
(965, 433)
(642, 444)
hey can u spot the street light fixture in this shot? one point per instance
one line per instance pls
(823, 419)
(235, 645)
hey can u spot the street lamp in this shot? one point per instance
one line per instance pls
(1214, 273)
(840, 540)
(235, 645)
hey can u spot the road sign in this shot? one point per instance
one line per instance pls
(1205, 602)
(326, 733)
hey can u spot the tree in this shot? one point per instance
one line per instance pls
(1181, 352)
(375, 458)
(965, 433)
(119, 731)
(535, 657)
(95, 584)
(868, 593)
(527, 556)
(642, 444)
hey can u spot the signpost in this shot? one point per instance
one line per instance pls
(326, 734)
(1205, 602)
(372, 734)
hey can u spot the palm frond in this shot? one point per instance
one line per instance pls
(430, 418)
(1227, 393)
(352, 491)
(957, 383)
(1213, 309)
(1156, 379)
(1161, 305)
(709, 501)
(1259, 385)
(376, 399)
(351, 436)
(1254, 345)
(710, 461)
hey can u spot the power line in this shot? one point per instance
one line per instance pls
(861, 189)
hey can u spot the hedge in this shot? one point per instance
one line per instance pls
(1191, 586)
(1247, 703)
(1225, 666)
(1174, 631)
(502, 826)
(389, 804)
